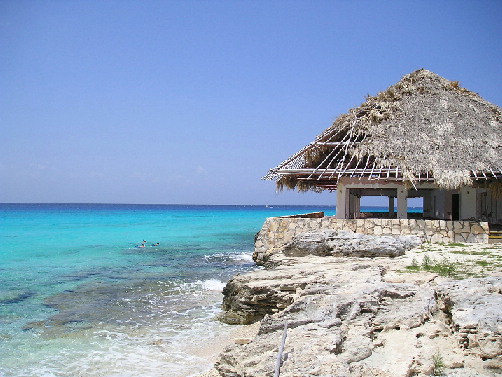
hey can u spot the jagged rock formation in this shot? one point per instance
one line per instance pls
(353, 317)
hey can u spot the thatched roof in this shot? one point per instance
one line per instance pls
(424, 128)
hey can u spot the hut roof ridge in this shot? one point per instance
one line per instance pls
(422, 125)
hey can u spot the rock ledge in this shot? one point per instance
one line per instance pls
(358, 315)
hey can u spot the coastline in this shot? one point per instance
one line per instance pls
(77, 295)
(422, 331)
(211, 352)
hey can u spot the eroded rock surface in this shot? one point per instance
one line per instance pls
(346, 243)
(353, 317)
(342, 243)
(474, 307)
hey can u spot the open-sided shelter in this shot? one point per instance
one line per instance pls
(424, 137)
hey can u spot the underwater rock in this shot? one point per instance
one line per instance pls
(14, 297)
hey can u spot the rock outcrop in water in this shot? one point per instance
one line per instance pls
(360, 316)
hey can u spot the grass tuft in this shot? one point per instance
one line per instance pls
(438, 364)
(462, 252)
(442, 267)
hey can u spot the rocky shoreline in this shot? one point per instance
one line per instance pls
(406, 310)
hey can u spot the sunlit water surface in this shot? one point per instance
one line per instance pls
(79, 298)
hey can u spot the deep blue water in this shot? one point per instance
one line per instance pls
(79, 298)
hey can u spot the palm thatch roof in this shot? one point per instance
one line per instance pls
(424, 128)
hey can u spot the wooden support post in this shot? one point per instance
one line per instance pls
(281, 350)
(341, 192)
(357, 206)
(391, 207)
(352, 203)
(402, 203)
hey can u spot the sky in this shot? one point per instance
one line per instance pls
(191, 102)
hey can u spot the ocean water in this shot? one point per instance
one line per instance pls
(79, 298)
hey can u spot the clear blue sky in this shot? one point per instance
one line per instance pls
(193, 101)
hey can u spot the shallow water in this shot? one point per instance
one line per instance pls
(79, 298)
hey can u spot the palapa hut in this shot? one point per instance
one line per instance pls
(424, 137)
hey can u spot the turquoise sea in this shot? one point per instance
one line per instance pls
(79, 298)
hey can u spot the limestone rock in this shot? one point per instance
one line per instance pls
(474, 306)
(341, 242)
(345, 319)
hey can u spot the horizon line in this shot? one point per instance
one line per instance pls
(190, 204)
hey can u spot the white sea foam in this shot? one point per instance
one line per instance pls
(177, 344)
(213, 285)
(236, 257)
(245, 257)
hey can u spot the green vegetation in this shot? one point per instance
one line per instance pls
(462, 252)
(438, 364)
(491, 248)
(482, 263)
(442, 267)
(440, 259)
(415, 267)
